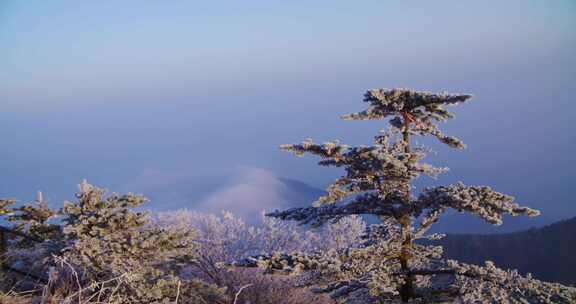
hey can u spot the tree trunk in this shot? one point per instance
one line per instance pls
(3, 248)
(407, 289)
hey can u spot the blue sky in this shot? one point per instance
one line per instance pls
(110, 90)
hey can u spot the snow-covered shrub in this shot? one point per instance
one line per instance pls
(34, 220)
(107, 239)
(106, 249)
(228, 237)
(102, 248)
(223, 239)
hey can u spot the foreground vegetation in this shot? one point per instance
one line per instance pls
(101, 249)
(98, 249)
(184, 260)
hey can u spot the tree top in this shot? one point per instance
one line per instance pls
(417, 110)
(421, 104)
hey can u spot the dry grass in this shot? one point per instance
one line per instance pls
(265, 289)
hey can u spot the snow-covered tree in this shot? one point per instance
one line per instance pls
(108, 238)
(391, 265)
(102, 249)
(226, 238)
(33, 219)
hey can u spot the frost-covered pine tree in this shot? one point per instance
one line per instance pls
(108, 249)
(109, 238)
(34, 220)
(391, 265)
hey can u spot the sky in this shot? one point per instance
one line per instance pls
(140, 93)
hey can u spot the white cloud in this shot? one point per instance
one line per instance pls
(245, 191)
(251, 191)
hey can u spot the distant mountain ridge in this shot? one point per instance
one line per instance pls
(246, 193)
(549, 253)
(298, 193)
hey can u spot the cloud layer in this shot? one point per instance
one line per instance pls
(251, 191)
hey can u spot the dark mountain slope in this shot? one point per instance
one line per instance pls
(549, 253)
(299, 194)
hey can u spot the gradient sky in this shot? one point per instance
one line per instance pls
(118, 91)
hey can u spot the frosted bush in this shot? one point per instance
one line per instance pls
(107, 250)
(225, 238)
(228, 237)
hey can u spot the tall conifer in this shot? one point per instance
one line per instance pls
(392, 264)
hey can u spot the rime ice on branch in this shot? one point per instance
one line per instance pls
(420, 108)
(378, 181)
